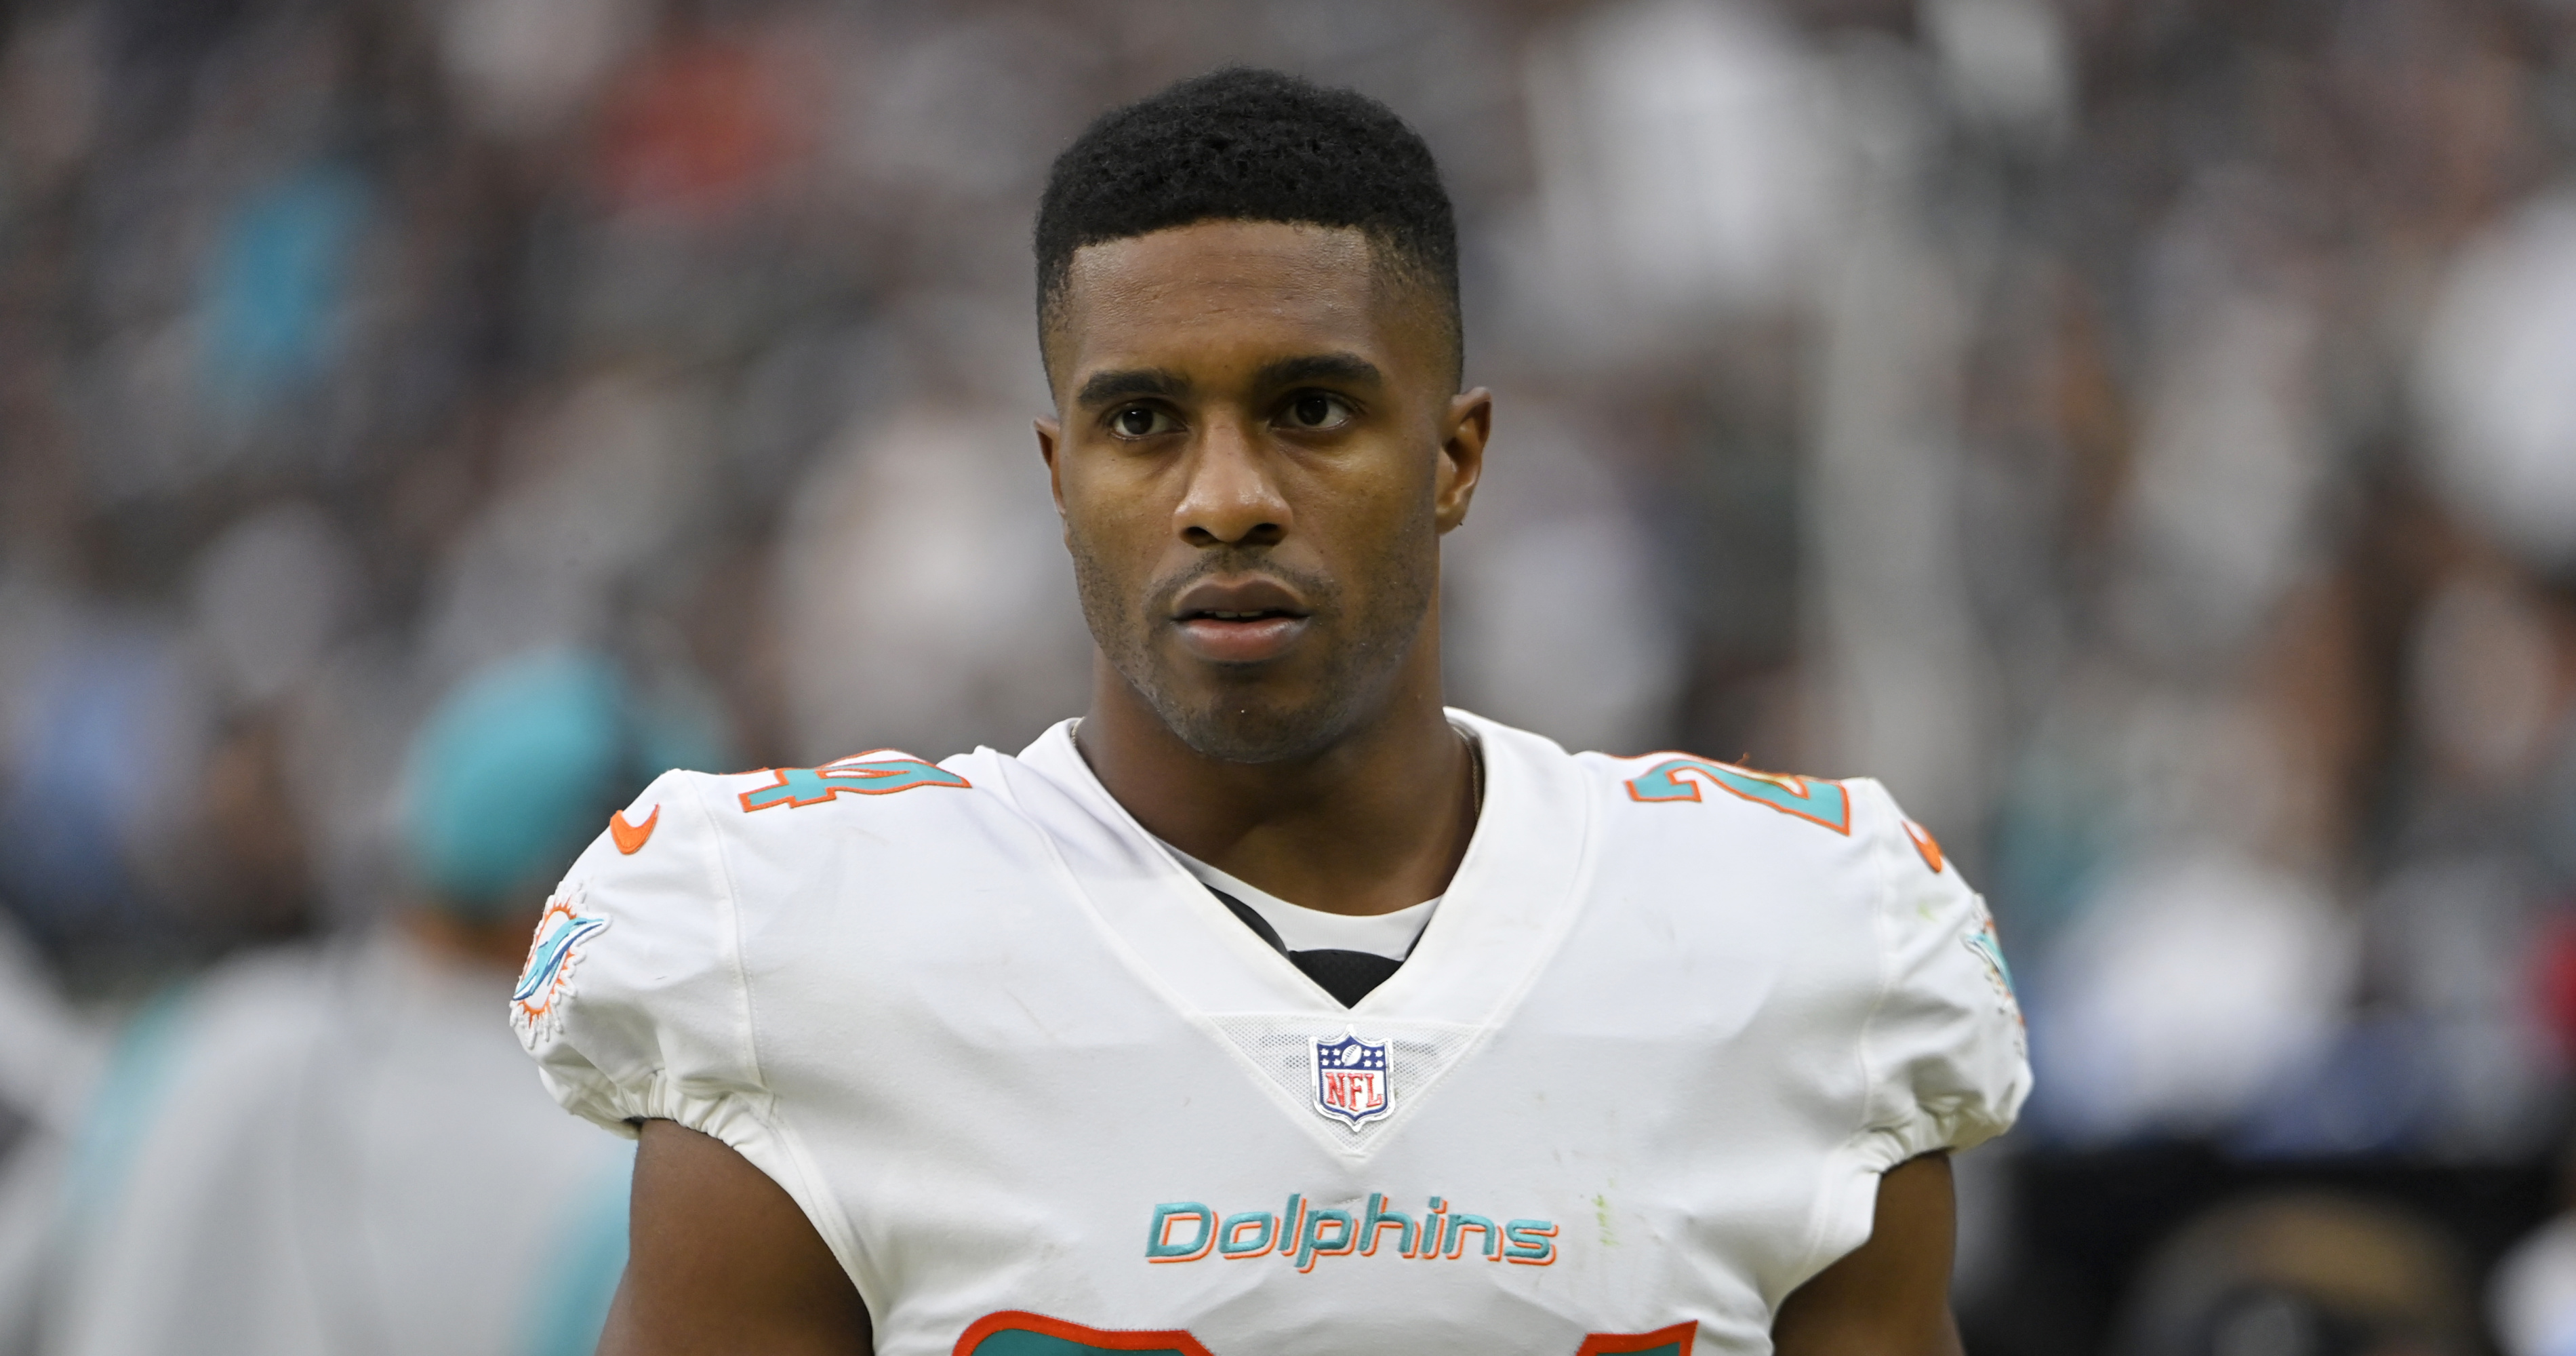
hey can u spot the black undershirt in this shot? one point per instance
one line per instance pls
(1346, 975)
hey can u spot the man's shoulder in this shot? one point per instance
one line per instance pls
(884, 799)
(1685, 816)
(1674, 821)
(1675, 802)
(707, 880)
(693, 845)
(1697, 796)
(877, 782)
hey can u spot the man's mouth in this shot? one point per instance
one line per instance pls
(1239, 621)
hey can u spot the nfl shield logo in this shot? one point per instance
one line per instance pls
(1350, 1079)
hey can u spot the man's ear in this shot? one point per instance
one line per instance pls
(1050, 436)
(1465, 426)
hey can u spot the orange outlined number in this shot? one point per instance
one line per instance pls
(1673, 1341)
(878, 772)
(1014, 1333)
(1017, 1333)
(1812, 799)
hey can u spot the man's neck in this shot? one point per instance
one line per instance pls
(1376, 822)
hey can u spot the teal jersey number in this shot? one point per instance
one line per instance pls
(879, 773)
(1815, 800)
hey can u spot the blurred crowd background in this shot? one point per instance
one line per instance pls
(2143, 432)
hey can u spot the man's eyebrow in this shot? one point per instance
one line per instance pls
(1348, 369)
(1103, 387)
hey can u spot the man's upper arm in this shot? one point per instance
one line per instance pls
(634, 992)
(721, 1259)
(1891, 1295)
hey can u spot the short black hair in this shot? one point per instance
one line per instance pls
(1242, 144)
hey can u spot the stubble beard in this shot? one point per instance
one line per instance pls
(1239, 722)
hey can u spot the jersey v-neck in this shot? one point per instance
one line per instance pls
(1506, 908)
(1299, 928)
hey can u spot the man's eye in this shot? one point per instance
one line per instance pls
(1315, 410)
(1139, 421)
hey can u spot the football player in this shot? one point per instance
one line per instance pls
(1270, 1006)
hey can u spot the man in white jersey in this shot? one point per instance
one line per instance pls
(1271, 1007)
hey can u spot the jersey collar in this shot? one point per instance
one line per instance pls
(1503, 915)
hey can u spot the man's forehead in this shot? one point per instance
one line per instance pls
(1218, 282)
(1226, 255)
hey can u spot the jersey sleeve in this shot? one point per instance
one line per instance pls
(1945, 1047)
(632, 1001)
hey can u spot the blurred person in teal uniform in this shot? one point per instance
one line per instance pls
(339, 1149)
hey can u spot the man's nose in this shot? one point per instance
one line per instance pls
(1233, 496)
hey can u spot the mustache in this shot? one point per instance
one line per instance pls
(1319, 590)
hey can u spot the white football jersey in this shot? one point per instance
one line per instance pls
(1042, 1093)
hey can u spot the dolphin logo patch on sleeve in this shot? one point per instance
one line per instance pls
(561, 932)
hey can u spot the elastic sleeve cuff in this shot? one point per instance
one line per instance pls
(621, 1108)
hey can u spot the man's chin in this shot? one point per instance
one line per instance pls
(1244, 728)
